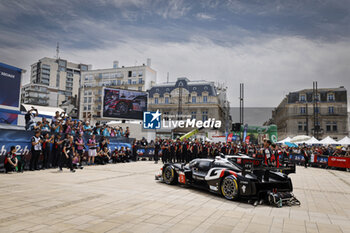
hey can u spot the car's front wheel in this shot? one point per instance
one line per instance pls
(229, 187)
(169, 175)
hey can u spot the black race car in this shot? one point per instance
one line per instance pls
(223, 175)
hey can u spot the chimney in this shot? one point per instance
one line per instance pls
(149, 62)
(115, 64)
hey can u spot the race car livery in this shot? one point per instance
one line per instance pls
(225, 176)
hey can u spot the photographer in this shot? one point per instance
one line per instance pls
(68, 152)
(30, 118)
(11, 161)
(36, 151)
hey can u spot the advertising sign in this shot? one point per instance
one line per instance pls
(119, 103)
(22, 141)
(10, 86)
(343, 162)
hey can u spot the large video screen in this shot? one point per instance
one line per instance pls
(119, 103)
(10, 85)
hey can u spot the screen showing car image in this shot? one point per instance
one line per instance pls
(119, 103)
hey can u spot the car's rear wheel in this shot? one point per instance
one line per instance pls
(169, 175)
(229, 187)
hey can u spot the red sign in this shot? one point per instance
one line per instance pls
(339, 162)
(229, 137)
(247, 139)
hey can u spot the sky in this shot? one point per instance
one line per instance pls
(273, 46)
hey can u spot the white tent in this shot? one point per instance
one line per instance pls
(328, 141)
(287, 139)
(344, 141)
(312, 141)
(300, 138)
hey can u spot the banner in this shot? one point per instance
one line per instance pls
(343, 162)
(145, 152)
(229, 137)
(10, 86)
(119, 103)
(22, 141)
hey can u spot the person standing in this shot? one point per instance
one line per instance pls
(36, 151)
(79, 144)
(68, 152)
(306, 156)
(57, 150)
(92, 144)
(267, 152)
(30, 118)
(46, 149)
(156, 151)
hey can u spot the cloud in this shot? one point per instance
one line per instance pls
(203, 16)
(270, 68)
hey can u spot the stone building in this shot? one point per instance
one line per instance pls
(318, 114)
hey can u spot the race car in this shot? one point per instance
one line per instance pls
(284, 165)
(225, 177)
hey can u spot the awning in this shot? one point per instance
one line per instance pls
(42, 110)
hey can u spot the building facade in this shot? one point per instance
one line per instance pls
(320, 114)
(52, 82)
(139, 78)
(199, 100)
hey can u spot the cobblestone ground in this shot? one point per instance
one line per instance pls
(126, 198)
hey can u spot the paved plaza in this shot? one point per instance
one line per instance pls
(126, 198)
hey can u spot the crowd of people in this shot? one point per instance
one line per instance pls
(184, 151)
(61, 143)
(63, 124)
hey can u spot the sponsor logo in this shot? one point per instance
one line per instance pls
(152, 120)
(243, 188)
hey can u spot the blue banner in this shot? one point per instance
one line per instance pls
(10, 85)
(145, 152)
(21, 139)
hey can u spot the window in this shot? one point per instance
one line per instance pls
(166, 100)
(89, 107)
(194, 99)
(205, 99)
(330, 97)
(140, 88)
(193, 115)
(119, 82)
(156, 100)
(89, 100)
(335, 127)
(317, 110)
(302, 98)
(205, 115)
(302, 110)
(129, 81)
(134, 73)
(140, 81)
(129, 73)
(331, 110)
(331, 126)
(85, 107)
(302, 126)
(140, 73)
(85, 99)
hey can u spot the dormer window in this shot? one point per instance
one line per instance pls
(180, 84)
(302, 98)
